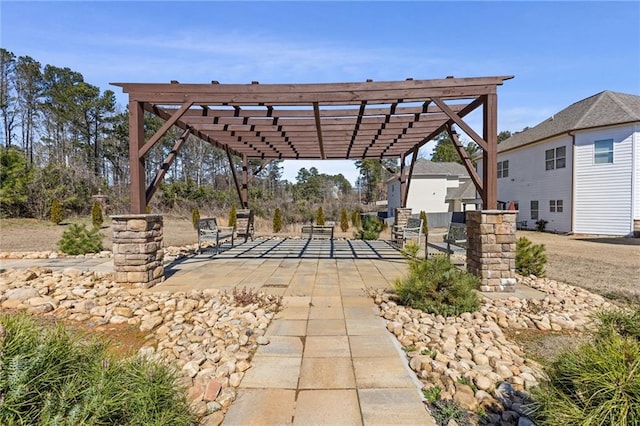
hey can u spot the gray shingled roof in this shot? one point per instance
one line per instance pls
(466, 191)
(424, 167)
(602, 109)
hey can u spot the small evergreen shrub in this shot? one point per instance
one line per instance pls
(356, 222)
(96, 215)
(195, 217)
(626, 323)
(425, 223)
(56, 211)
(277, 220)
(436, 286)
(530, 258)
(344, 221)
(77, 239)
(233, 217)
(320, 216)
(49, 376)
(371, 228)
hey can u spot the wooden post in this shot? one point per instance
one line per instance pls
(136, 162)
(403, 183)
(490, 155)
(244, 198)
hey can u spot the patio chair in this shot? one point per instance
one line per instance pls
(410, 231)
(208, 230)
(244, 227)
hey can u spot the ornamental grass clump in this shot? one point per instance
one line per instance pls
(599, 382)
(49, 376)
(436, 286)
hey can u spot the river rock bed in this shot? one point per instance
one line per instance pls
(468, 356)
(206, 334)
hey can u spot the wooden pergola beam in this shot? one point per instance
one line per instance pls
(155, 183)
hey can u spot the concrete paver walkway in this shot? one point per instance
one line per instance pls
(330, 360)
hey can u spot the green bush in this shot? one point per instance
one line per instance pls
(77, 239)
(344, 221)
(195, 217)
(626, 323)
(277, 220)
(530, 258)
(436, 286)
(597, 384)
(233, 217)
(320, 216)
(371, 228)
(51, 377)
(96, 215)
(356, 222)
(56, 211)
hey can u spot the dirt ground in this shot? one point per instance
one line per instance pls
(605, 265)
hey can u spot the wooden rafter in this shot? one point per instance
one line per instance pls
(312, 121)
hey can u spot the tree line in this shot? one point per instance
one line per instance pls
(66, 139)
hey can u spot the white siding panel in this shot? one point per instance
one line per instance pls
(603, 192)
(636, 187)
(529, 180)
(428, 194)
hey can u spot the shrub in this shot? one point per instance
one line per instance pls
(541, 225)
(425, 222)
(96, 215)
(50, 376)
(277, 220)
(320, 216)
(625, 323)
(77, 239)
(56, 211)
(344, 221)
(233, 217)
(195, 217)
(436, 286)
(445, 410)
(530, 258)
(371, 228)
(356, 221)
(596, 384)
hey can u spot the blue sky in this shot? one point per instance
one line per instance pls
(559, 52)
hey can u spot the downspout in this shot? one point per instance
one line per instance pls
(634, 165)
(573, 180)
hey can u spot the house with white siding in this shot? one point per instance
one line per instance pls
(579, 170)
(436, 187)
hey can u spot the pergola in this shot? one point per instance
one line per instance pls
(354, 121)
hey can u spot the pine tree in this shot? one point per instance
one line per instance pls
(344, 221)
(320, 216)
(356, 221)
(277, 221)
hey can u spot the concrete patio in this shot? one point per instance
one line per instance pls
(330, 360)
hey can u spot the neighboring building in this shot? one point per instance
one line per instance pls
(435, 188)
(579, 170)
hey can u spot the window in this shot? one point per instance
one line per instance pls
(556, 158)
(503, 169)
(555, 206)
(603, 152)
(534, 209)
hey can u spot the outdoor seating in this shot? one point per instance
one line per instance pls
(409, 231)
(244, 224)
(317, 231)
(208, 230)
(456, 235)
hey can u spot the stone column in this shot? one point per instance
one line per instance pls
(491, 253)
(137, 249)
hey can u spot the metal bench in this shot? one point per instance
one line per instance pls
(317, 231)
(411, 230)
(456, 235)
(208, 230)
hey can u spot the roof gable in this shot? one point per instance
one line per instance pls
(602, 109)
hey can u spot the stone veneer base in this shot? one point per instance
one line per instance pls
(137, 249)
(491, 252)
